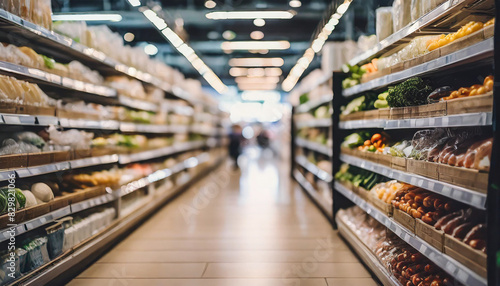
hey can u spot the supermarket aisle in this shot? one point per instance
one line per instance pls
(256, 229)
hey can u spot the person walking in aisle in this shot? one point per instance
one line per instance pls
(235, 139)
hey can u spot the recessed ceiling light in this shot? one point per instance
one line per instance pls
(255, 72)
(135, 3)
(259, 22)
(256, 62)
(129, 37)
(295, 3)
(238, 15)
(150, 49)
(257, 35)
(210, 4)
(213, 35)
(256, 45)
(229, 35)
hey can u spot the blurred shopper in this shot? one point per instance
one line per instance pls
(235, 139)
(263, 139)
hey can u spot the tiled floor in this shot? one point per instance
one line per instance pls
(252, 227)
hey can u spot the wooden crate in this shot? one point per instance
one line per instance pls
(371, 114)
(61, 156)
(353, 116)
(37, 159)
(18, 218)
(488, 32)
(467, 178)
(8, 107)
(397, 67)
(423, 168)
(76, 197)
(463, 253)
(70, 114)
(384, 113)
(404, 219)
(430, 110)
(398, 163)
(349, 151)
(94, 192)
(384, 159)
(462, 43)
(363, 193)
(397, 113)
(471, 104)
(59, 203)
(432, 55)
(430, 234)
(381, 205)
(13, 161)
(81, 153)
(36, 211)
(36, 110)
(413, 62)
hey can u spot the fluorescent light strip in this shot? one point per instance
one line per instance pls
(273, 96)
(255, 45)
(257, 87)
(250, 15)
(185, 50)
(256, 62)
(87, 17)
(255, 72)
(316, 46)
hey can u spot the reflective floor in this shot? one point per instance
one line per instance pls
(248, 227)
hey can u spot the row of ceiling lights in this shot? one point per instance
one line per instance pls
(316, 46)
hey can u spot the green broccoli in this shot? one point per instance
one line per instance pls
(413, 91)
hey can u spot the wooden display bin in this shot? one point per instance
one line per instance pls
(13, 161)
(462, 43)
(37, 159)
(363, 193)
(430, 234)
(61, 156)
(429, 110)
(94, 192)
(8, 107)
(397, 67)
(59, 203)
(18, 218)
(384, 159)
(432, 55)
(76, 197)
(353, 116)
(381, 205)
(488, 31)
(82, 153)
(36, 110)
(472, 104)
(348, 151)
(384, 113)
(397, 113)
(463, 253)
(404, 219)
(467, 178)
(423, 168)
(71, 114)
(36, 211)
(413, 62)
(102, 151)
(398, 163)
(371, 114)
(370, 156)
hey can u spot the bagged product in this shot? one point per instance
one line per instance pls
(42, 13)
(429, 5)
(384, 23)
(37, 254)
(401, 14)
(416, 7)
(55, 236)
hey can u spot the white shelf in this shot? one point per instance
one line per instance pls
(18, 119)
(302, 160)
(314, 103)
(89, 124)
(326, 204)
(466, 196)
(455, 269)
(322, 122)
(366, 255)
(422, 26)
(469, 54)
(138, 104)
(459, 120)
(314, 146)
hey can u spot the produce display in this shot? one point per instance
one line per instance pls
(20, 92)
(465, 30)
(359, 177)
(447, 94)
(407, 265)
(38, 12)
(314, 135)
(411, 92)
(362, 103)
(455, 147)
(386, 191)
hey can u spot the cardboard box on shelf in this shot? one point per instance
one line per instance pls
(404, 219)
(430, 234)
(463, 253)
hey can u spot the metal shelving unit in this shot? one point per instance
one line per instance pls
(457, 270)
(310, 167)
(320, 148)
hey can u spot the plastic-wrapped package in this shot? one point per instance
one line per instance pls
(42, 13)
(72, 138)
(401, 14)
(126, 86)
(429, 5)
(384, 26)
(75, 30)
(10, 147)
(55, 236)
(29, 138)
(81, 72)
(416, 7)
(37, 254)
(425, 140)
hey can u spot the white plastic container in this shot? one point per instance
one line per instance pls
(401, 14)
(384, 26)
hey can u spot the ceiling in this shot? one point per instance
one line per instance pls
(205, 35)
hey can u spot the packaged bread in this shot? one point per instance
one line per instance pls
(37, 60)
(42, 13)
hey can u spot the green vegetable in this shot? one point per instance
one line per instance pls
(412, 92)
(3, 203)
(383, 95)
(355, 105)
(372, 148)
(48, 62)
(380, 103)
(304, 98)
(20, 199)
(321, 112)
(353, 140)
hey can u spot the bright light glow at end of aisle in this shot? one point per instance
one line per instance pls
(135, 3)
(129, 37)
(255, 72)
(150, 49)
(210, 4)
(255, 45)
(267, 96)
(256, 112)
(262, 86)
(257, 35)
(316, 46)
(250, 15)
(295, 3)
(259, 22)
(87, 17)
(183, 48)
